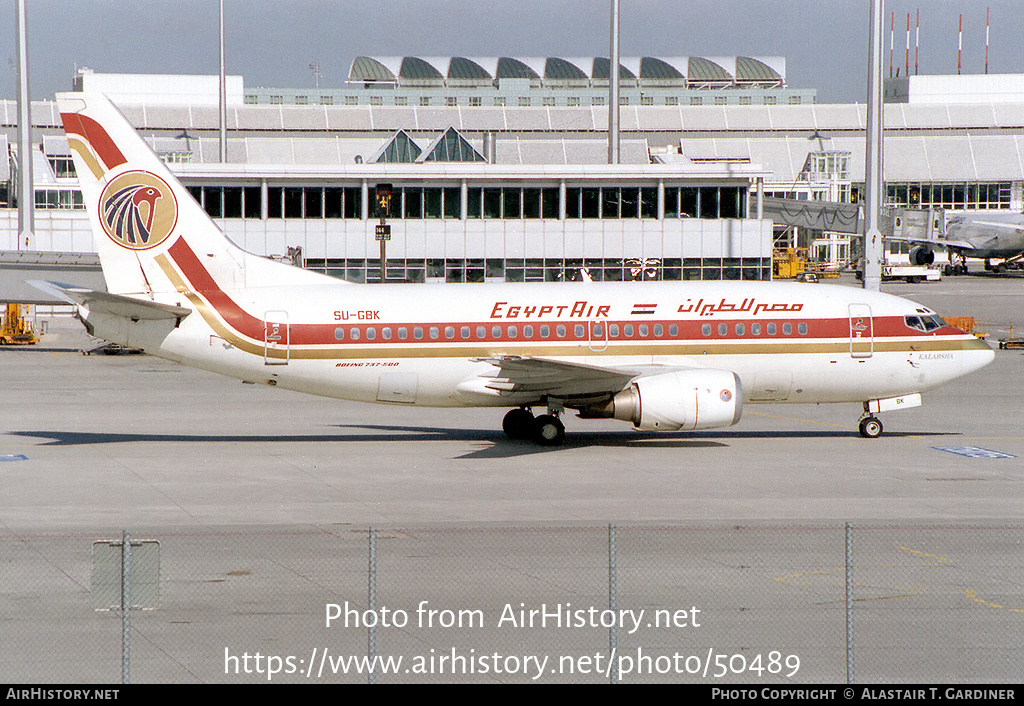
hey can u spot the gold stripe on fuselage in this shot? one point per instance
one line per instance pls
(576, 349)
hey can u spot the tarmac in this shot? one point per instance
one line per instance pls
(262, 499)
(132, 440)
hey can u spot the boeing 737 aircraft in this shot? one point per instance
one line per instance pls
(986, 235)
(662, 355)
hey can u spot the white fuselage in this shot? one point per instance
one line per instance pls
(422, 344)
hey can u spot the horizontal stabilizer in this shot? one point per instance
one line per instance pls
(113, 304)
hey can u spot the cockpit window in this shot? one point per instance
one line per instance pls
(924, 323)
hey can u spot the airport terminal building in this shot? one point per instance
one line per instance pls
(503, 187)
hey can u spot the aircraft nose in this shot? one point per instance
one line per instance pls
(976, 355)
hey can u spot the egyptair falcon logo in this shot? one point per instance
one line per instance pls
(138, 210)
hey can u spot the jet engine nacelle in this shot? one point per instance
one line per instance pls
(684, 399)
(921, 255)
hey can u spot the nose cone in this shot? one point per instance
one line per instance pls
(976, 355)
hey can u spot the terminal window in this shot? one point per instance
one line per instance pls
(461, 270)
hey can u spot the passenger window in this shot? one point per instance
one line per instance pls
(644, 330)
(354, 334)
(673, 330)
(512, 333)
(464, 332)
(613, 330)
(339, 334)
(771, 329)
(386, 333)
(528, 331)
(787, 329)
(598, 330)
(560, 331)
(481, 332)
(545, 331)
(659, 331)
(706, 329)
(371, 333)
(740, 329)
(578, 331)
(496, 331)
(417, 333)
(449, 332)
(403, 333)
(755, 329)
(435, 333)
(627, 330)
(723, 329)
(801, 328)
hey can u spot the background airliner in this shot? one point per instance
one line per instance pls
(662, 355)
(984, 235)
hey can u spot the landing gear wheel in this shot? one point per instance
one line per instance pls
(870, 428)
(548, 430)
(518, 424)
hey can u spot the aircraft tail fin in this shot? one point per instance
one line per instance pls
(152, 237)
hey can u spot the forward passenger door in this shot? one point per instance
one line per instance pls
(862, 335)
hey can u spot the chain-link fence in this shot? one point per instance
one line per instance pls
(593, 604)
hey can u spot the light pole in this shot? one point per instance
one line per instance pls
(613, 88)
(26, 185)
(223, 94)
(873, 176)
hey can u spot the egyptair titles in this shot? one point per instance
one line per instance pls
(747, 306)
(590, 310)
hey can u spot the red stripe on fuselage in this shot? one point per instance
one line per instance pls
(235, 316)
(96, 136)
(690, 331)
(203, 283)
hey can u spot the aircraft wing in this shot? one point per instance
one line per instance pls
(114, 304)
(945, 243)
(524, 375)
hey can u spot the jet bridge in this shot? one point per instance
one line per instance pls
(816, 215)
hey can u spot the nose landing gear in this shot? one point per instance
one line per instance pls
(870, 427)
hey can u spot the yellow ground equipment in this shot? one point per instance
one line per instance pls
(789, 262)
(16, 328)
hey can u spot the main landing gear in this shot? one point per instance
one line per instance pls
(546, 430)
(870, 427)
(957, 265)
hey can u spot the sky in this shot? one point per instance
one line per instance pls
(271, 43)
